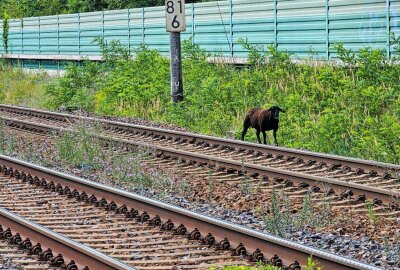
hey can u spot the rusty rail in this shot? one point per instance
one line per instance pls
(51, 243)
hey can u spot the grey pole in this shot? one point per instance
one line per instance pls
(176, 67)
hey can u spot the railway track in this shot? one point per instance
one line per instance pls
(137, 231)
(210, 145)
(28, 245)
(296, 170)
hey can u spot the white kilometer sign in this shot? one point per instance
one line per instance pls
(175, 15)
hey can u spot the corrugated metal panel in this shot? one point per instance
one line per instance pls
(295, 25)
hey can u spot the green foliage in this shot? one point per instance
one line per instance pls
(259, 267)
(30, 8)
(138, 87)
(371, 213)
(395, 42)
(79, 148)
(311, 265)
(77, 89)
(33, 8)
(2, 136)
(346, 55)
(255, 54)
(21, 88)
(112, 51)
(279, 217)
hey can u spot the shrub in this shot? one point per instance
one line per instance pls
(77, 89)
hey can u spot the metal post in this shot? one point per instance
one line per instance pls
(129, 32)
(39, 35)
(275, 23)
(176, 67)
(143, 39)
(79, 33)
(102, 24)
(327, 29)
(388, 28)
(231, 26)
(58, 34)
(193, 24)
(22, 35)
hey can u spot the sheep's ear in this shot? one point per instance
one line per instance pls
(282, 110)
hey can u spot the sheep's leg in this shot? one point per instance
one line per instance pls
(276, 142)
(265, 136)
(246, 126)
(258, 136)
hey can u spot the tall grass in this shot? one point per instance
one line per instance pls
(18, 87)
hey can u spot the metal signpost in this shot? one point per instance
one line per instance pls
(176, 23)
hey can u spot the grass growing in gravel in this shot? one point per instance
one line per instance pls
(279, 217)
(311, 265)
(86, 155)
(371, 213)
(80, 149)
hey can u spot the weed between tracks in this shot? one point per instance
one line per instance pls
(280, 217)
(371, 213)
(245, 185)
(311, 265)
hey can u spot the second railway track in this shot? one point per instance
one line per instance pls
(375, 181)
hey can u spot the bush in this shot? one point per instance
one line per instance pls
(77, 89)
(137, 87)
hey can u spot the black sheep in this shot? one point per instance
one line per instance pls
(262, 120)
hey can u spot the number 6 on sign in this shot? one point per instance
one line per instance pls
(175, 15)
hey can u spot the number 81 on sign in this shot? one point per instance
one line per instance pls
(175, 15)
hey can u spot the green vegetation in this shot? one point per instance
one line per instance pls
(21, 88)
(33, 8)
(279, 217)
(371, 213)
(311, 265)
(267, 267)
(79, 147)
(80, 152)
(351, 109)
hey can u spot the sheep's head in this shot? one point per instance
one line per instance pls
(275, 111)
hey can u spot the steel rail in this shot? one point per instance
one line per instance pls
(268, 244)
(69, 249)
(370, 192)
(367, 165)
